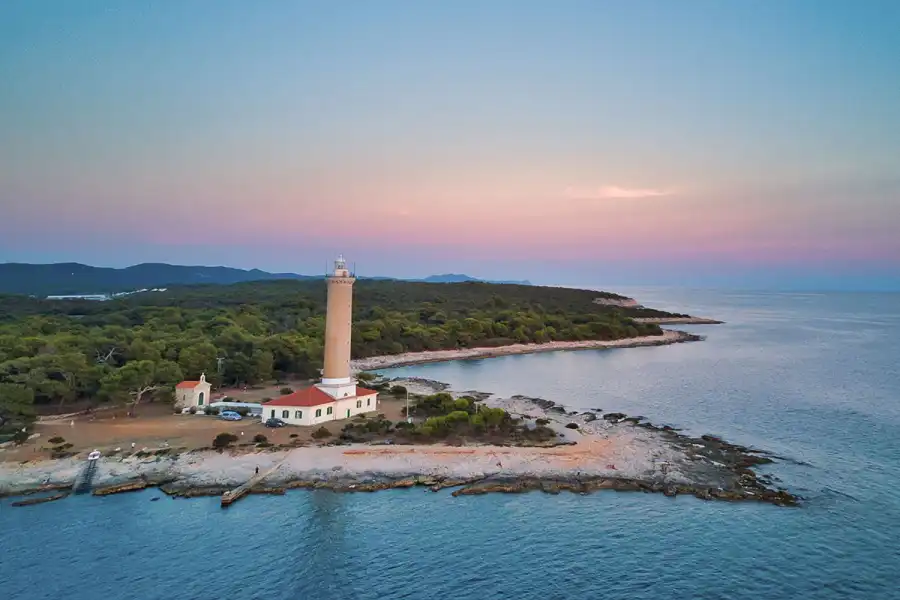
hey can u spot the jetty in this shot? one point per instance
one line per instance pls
(232, 496)
(85, 479)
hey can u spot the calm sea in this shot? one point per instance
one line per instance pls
(813, 377)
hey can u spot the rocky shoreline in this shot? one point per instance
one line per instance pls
(595, 451)
(416, 358)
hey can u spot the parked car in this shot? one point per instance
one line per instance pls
(230, 415)
(273, 422)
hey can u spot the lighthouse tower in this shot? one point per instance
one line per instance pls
(336, 380)
(337, 396)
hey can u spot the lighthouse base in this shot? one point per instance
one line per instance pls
(338, 388)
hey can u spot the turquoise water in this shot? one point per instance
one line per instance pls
(815, 378)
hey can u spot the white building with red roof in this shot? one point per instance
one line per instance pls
(313, 406)
(337, 396)
(192, 393)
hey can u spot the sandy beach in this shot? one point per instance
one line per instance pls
(678, 321)
(414, 358)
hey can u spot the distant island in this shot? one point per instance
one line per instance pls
(458, 278)
(71, 279)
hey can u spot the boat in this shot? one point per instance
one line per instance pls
(94, 455)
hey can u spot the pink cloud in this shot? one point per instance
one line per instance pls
(611, 192)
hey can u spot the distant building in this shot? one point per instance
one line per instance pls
(192, 393)
(337, 396)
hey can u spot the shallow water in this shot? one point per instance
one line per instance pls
(812, 377)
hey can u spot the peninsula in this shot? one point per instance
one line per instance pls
(369, 438)
(565, 452)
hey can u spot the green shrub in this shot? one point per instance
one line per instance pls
(293, 435)
(463, 404)
(321, 433)
(223, 440)
(398, 390)
(285, 391)
(260, 438)
(56, 440)
(20, 437)
(193, 410)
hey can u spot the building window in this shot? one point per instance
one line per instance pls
(328, 411)
(298, 414)
(368, 402)
(285, 413)
(318, 412)
(359, 404)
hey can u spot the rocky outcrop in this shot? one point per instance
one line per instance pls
(41, 499)
(619, 302)
(118, 488)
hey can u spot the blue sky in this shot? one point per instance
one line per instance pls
(697, 142)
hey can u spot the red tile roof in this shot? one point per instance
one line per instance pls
(188, 384)
(312, 396)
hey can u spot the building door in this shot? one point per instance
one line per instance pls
(348, 413)
(200, 399)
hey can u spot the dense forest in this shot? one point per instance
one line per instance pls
(59, 352)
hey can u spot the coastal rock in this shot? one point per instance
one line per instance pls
(270, 490)
(118, 488)
(40, 499)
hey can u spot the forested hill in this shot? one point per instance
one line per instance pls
(59, 279)
(62, 351)
(76, 278)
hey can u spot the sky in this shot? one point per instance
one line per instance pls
(701, 143)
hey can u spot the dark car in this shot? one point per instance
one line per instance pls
(275, 423)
